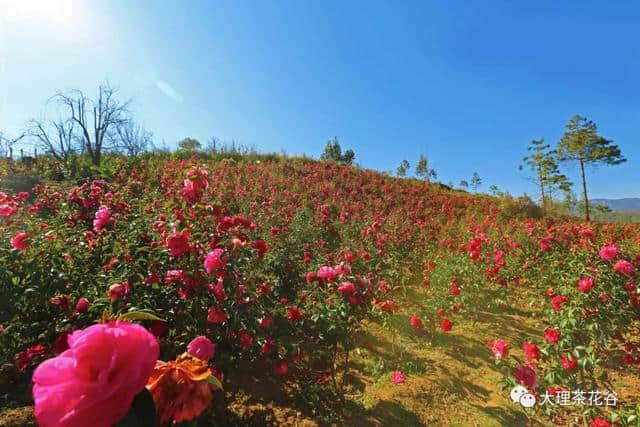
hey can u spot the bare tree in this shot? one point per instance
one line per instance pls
(130, 138)
(94, 118)
(55, 137)
(6, 143)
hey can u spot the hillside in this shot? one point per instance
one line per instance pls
(314, 292)
(622, 205)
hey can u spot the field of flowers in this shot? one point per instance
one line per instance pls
(278, 270)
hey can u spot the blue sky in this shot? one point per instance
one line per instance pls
(467, 83)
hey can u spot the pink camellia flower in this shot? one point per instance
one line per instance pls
(346, 288)
(82, 305)
(552, 335)
(415, 322)
(102, 218)
(95, 380)
(499, 347)
(7, 210)
(609, 252)
(585, 284)
(18, 241)
(215, 261)
(531, 350)
(526, 376)
(202, 348)
(397, 377)
(623, 267)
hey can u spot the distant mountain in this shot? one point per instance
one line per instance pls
(630, 204)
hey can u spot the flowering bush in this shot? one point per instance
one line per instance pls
(273, 266)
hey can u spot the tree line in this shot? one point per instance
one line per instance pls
(581, 144)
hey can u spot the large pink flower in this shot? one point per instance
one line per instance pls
(609, 252)
(102, 218)
(215, 261)
(94, 382)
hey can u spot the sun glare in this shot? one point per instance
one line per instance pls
(40, 11)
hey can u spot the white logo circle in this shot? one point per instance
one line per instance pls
(528, 400)
(517, 392)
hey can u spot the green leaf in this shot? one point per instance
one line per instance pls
(215, 381)
(139, 315)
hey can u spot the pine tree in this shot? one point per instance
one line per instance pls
(582, 144)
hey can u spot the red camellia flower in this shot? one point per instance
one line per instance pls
(178, 243)
(526, 376)
(609, 252)
(623, 267)
(346, 288)
(18, 241)
(294, 314)
(94, 382)
(455, 290)
(585, 284)
(569, 364)
(282, 368)
(415, 322)
(24, 359)
(202, 348)
(268, 345)
(82, 305)
(558, 301)
(217, 315)
(245, 339)
(531, 350)
(446, 325)
(600, 422)
(552, 335)
(499, 347)
(265, 322)
(260, 246)
(118, 291)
